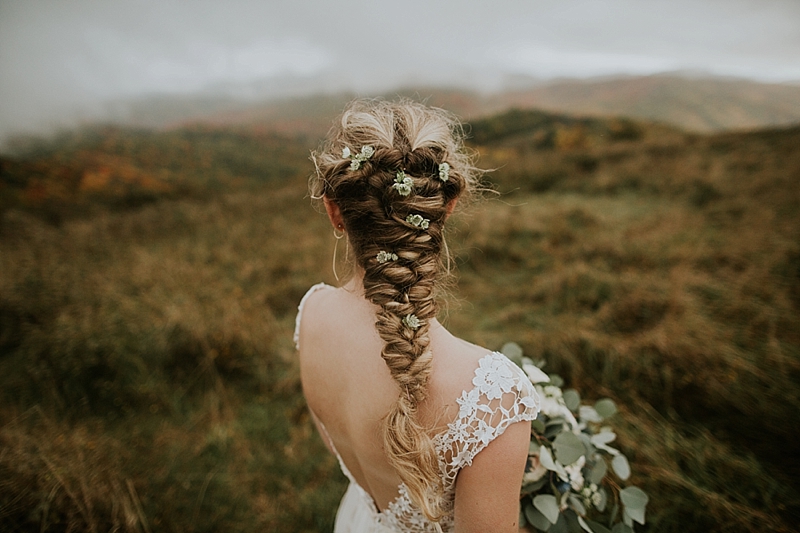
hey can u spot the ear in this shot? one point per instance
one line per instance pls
(334, 213)
(450, 207)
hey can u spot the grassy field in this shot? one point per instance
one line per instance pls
(149, 282)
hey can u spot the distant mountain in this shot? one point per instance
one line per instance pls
(693, 103)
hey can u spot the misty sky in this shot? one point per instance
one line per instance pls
(61, 58)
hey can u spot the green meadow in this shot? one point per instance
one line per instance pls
(149, 282)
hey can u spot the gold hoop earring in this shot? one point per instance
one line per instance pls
(446, 253)
(338, 237)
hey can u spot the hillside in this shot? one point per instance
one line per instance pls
(149, 282)
(106, 167)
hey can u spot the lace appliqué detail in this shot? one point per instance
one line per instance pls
(501, 395)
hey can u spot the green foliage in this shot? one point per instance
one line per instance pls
(565, 478)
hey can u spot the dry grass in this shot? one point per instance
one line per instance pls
(147, 374)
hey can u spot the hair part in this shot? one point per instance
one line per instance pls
(415, 139)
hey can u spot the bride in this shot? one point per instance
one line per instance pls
(431, 431)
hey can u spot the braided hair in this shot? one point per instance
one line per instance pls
(396, 234)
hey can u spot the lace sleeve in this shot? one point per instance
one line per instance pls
(311, 291)
(501, 395)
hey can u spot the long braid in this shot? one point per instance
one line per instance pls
(419, 141)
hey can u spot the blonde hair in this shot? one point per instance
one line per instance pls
(416, 139)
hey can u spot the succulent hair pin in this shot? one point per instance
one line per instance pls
(418, 221)
(356, 159)
(444, 171)
(411, 321)
(383, 257)
(402, 183)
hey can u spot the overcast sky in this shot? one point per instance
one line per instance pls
(59, 57)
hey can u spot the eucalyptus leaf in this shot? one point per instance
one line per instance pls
(537, 426)
(608, 449)
(621, 467)
(577, 505)
(586, 442)
(588, 414)
(513, 351)
(634, 501)
(614, 512)
(605, 407)
(572, 521)
(568, 448)
(557, 421)
(603, 500)
(522, 521)
(560, 526)
(621, 528)
(535, 374)
(533, 448)
(598, 471)
(536, 519)
(548, 506)
(597, 528)
(626, 519)
(553, 430)
(634, 497)
(556, 380)
(604, 437)
(546, 459)
(584, 525)
(572, 399)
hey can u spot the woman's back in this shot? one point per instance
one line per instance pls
(350, 390)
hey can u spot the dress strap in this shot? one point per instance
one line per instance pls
(311, 291)
(501, 395)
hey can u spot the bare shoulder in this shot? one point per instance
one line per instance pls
(338, 345)
(487, 491)
(454, 365)
(314, 313)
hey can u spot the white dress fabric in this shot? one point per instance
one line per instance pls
(501, 395)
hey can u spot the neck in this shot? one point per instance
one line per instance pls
(355, 286)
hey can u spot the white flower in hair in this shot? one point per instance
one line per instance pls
(418, 221)
(403, 183)
(412, 321)
(383, 257)
(356, 160)
(444, 172)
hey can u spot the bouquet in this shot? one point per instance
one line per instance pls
(568, 486)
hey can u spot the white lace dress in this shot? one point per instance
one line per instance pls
(501, 395)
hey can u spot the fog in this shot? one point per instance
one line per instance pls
(61, 61)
